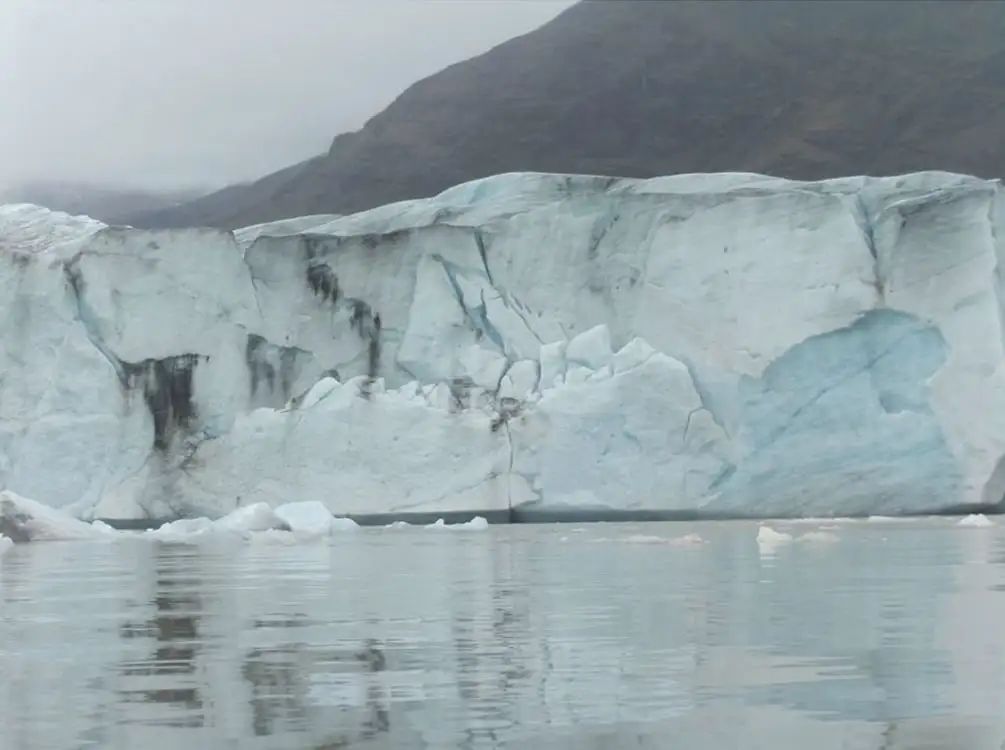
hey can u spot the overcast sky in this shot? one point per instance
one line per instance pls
(180, 93)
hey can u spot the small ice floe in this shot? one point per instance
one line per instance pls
(768, 540)
(250, 518)
(688, 540)
(312, 518)
(5, 544)
(475, 524)
(342, 523)
(25, 520)
(398, 525)
(288, 523)
(182, 530)
(976, 520)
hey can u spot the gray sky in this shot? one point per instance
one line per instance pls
(179, 93)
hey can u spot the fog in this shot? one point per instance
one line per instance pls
(201, 93)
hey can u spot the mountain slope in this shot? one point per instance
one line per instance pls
(111, 205)
(799, 89)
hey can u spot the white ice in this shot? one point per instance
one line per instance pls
(475, 524)
(41, 522)
(976, 520)
(769, 540)
(312, 518)
(721, 344)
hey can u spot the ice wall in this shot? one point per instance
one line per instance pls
(526, 346)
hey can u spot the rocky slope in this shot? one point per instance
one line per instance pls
(806, 90)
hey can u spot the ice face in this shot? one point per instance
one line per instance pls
(524, 344)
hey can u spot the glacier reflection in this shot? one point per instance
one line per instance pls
(542, 636)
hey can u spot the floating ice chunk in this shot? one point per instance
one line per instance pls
(256, 517)
(977, 520)
(307, 517)
(476, 524)
(398, 525)
(818, 536)
(22, 519)
(183, 530)
(5, 544)
(245, 522)
(688, 540)
(768, 540)
(340, 523)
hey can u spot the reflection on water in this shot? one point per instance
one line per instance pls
(520, 636)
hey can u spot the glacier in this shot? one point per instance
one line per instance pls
(522, 347)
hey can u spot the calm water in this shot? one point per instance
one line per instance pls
(601, 636)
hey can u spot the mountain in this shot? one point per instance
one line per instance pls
(805, 90)
(108, 204)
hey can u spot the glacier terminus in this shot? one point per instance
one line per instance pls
(526, 346)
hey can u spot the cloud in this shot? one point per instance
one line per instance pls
(178, 93)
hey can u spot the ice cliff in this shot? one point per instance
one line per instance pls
(523, 346)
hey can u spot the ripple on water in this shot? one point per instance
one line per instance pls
(624, 635)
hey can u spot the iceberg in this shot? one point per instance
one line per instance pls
(24, 520)
(976, 520)
(311, 518)
(475, 524)
(523, 347)
(769, 540)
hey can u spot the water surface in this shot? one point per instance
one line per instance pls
(550, 636)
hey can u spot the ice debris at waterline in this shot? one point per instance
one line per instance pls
(477, 523)
(769, 540)
(977, 520)
(524, 346)
(25, 520)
